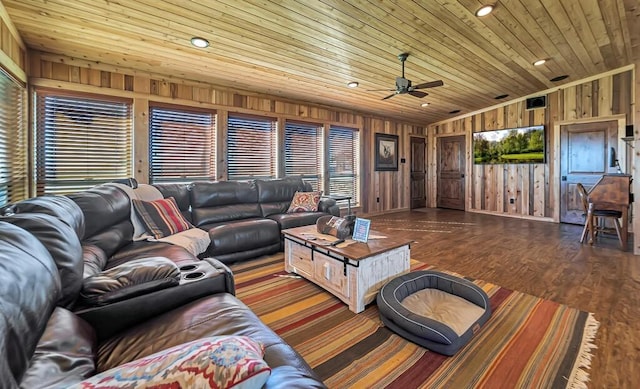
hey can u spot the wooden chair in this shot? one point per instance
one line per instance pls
(595, 219)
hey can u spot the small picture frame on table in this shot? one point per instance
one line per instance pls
(361, 230)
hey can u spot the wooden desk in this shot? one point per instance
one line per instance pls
(612, 192)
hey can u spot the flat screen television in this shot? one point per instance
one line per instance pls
(511, 145)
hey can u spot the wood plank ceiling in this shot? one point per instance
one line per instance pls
(310, 50)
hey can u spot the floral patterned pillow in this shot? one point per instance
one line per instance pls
(215, 362)
(305, 202)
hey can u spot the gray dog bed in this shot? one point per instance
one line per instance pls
(435, 310)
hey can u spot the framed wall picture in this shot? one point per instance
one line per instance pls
(386, 153)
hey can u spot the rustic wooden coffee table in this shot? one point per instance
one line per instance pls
(353, 273)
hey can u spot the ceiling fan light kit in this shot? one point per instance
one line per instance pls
(403, 85)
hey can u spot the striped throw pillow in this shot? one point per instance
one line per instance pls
(161, 217)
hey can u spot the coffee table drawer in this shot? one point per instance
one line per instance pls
(329, 273)
(300, 259)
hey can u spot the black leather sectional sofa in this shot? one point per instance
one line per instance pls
(79, 297)
(244, 219)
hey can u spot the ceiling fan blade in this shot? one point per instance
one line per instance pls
(380, 90)
(391, 95)
(431, 84)
(418, 94)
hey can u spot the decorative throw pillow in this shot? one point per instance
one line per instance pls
(161, 217)
(305, 202)
(216, 362)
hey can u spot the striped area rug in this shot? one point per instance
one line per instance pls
(527, 343)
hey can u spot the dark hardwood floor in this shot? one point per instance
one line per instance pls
(543, 259)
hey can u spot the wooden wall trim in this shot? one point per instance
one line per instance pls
(12, 67)
(93, 89)
(12, 28)
(515, 216)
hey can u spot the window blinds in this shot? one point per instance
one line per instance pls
(251, 148)
(344, 156)
(13, 141)
(303, 152)
(81, 142)
(182, 145)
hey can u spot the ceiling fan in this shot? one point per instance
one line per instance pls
(404, 86)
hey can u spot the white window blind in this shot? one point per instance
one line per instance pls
(251, 148)
(181, 145)
(344, 162)
(303, 152)
(13, 141)
(81, 142)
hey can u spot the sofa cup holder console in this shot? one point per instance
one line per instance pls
(194, 271)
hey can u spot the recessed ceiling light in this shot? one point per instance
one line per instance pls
(485, 10)
(559, 78)
(454, 111)
(539, 62)
(499, 97)
(424, 104)
(353, 84)
(199, 42)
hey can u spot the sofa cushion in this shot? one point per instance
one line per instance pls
(64, 355)
(275, 196)
(29, 290)
(241, 235)
(61, 207)
(64, 246)
(215, 315)
(217, 202)
(161, 217)
(298, 219)
(305, 202)
(214, 362)
(106, 212)
(180, 192)
(145, 249)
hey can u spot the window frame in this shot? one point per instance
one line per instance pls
(67, 185)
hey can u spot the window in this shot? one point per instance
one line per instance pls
(303, 152)
(251, 148)
(13, 141)
(81, 142)
(344, 162)
(181, 145)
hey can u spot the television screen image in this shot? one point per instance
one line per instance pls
(513, 145)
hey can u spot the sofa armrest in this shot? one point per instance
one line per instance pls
(197, 279)
(329, 206)
(131, 279)
(221, 268)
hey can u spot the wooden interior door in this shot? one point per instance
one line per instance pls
(451, 170)
(418, 173)
(585, 155)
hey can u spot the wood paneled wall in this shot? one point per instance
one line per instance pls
(532, 186)
(13, 52)
(63, 73)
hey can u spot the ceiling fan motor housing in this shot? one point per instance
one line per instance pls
(402, 84)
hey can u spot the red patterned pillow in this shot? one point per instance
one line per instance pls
(161, 217)
(216, 362)
(305, 202)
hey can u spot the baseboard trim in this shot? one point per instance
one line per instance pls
(515, 216)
